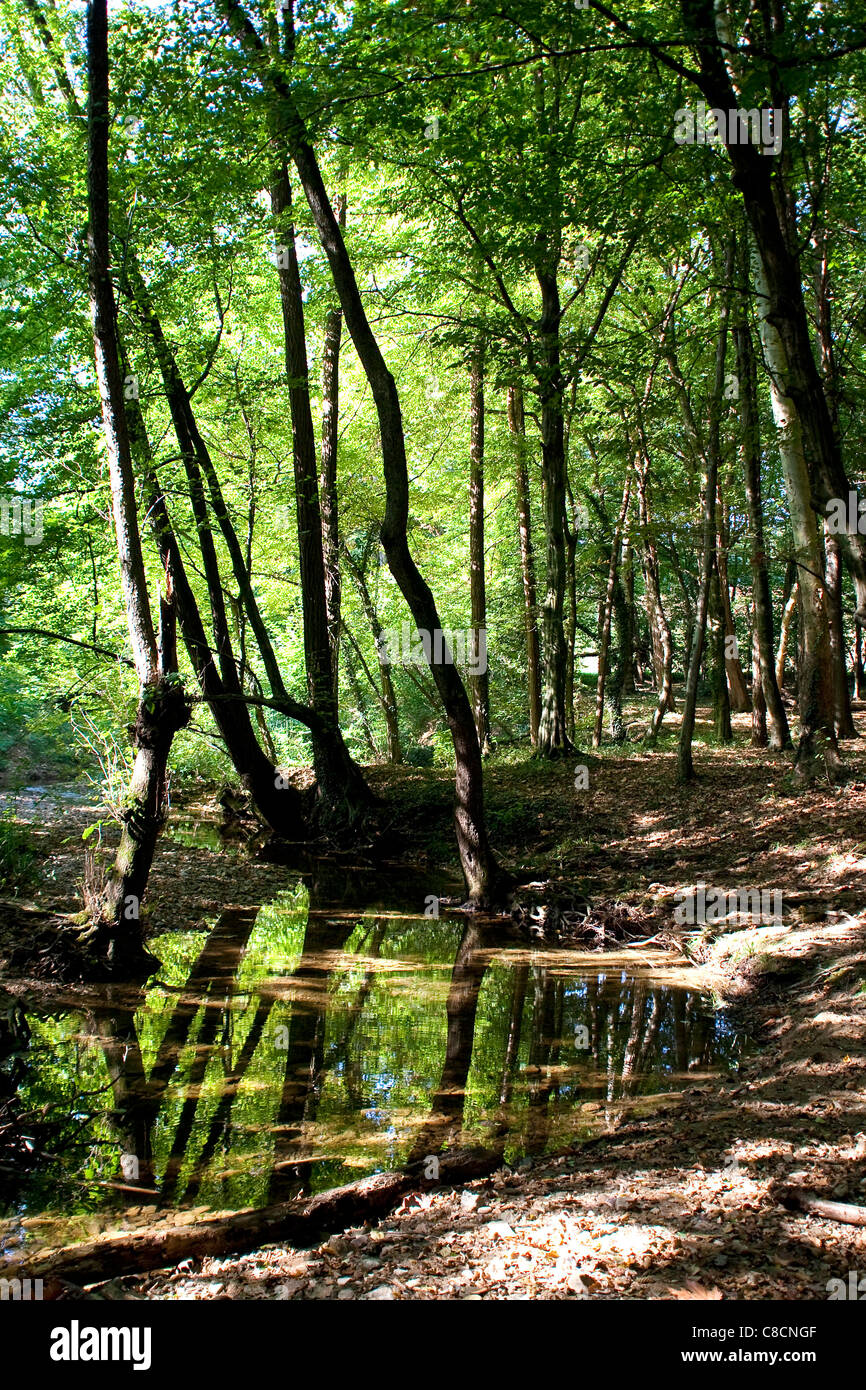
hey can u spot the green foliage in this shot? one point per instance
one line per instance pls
(17, 856)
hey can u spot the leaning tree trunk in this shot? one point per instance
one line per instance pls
(265, 784)
(789, 612)
(484, 878)
(517, 427)
(479, 681)
(769, 204)
(116, 936)
(343, 794)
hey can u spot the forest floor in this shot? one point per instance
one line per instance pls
(683, 1202)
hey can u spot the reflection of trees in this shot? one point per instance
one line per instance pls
(446, 1112)
(530, 1070)
(137, 1097)
(306, 1060)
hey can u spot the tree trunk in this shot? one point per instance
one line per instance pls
(387, 698)
(328, 476)
(484, 878)
(479, 681)
(628, 618)
(517, 427)
(759, 705)
(718, 674)
(814, 686)
(116, 937)
(739, 700)
(779, 733)
(660, 631)
(608, 610)
(553, 739)
(299, 1223)
(343, 793)
(710, 483)
(843, 721)
(769, 206)
(788, 615)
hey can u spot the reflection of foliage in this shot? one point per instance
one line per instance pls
(340, 1033)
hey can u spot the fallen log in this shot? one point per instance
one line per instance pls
(798, 1199)
(301, 1222)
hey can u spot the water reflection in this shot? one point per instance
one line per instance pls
(300, 1045)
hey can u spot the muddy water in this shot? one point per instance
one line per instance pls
(291, 1049)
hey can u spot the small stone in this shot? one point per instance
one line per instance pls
(469, 1200)
(370, 1262)
(381, 1294)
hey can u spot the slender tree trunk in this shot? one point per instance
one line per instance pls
(769, 204)
(358, 697)
(779, 734)
(608, 610)
(484, 877)
(789, 612)
(660, 632)
(718, 674)
(843, 721)
(343, 793)
(479, 681)
(710, 483)
(328, 475)
(116, 937)
(739, 700)
(759, 705)
(256, 770)
(387, 698)
(628, 618)
(814, 686)
(571, 627)
(553, 739)
(517, 427)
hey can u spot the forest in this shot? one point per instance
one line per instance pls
(432, 689)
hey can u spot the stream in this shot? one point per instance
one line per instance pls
(312, 1040)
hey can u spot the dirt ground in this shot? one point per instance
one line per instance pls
(684, 1202)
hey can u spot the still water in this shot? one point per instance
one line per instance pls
(296, 1046)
